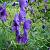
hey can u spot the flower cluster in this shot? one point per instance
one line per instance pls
(3, 13)
(18, 20)
(45, 0)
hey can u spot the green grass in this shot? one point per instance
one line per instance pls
(39, 38)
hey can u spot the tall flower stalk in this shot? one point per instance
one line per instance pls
(18, 20)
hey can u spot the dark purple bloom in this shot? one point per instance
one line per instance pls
(16, 24)
(16, 19)
(3, 14)
(16, 28)
(18, 38)
(27, 24)
(14, 4)
(45, 0)
(22, 15)
(24, 39)
(23, 3)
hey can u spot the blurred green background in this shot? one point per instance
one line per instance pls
(39, 38)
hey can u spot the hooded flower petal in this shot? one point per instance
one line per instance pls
(18, 38)
(22, 15)
(3, 14)
(27, 24)
(16, 23)
(23, 3)
(16, 19)
(24, 39)
(15, 27)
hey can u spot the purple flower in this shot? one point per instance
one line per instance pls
(16, 24)
(18, 38)
(22, 15)
(45, 0)
(23, 3)
(24, 39)
(27, 24)
(15, 28)
(3, 14)
(16, 19)
(4, 4)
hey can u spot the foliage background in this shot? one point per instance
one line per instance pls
(39, 38)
